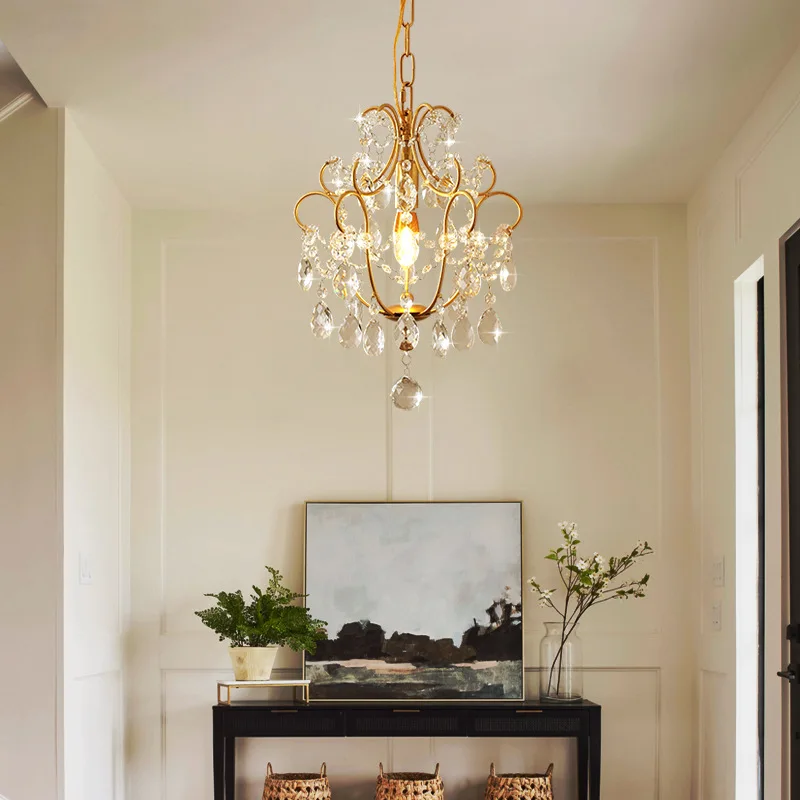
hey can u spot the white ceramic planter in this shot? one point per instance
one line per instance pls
(253, 663)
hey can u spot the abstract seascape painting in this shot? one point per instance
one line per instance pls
(423, 601)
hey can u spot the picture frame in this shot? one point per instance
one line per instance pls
(423, 601)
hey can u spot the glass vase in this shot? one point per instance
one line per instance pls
(561, 665)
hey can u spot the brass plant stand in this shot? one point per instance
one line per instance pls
(226, 686)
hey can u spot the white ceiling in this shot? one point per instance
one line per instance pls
(205, 103)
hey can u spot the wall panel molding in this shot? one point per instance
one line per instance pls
(626, 654)
(162, 431)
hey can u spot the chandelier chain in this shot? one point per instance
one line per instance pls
(405, 73)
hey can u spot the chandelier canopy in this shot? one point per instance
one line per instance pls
(406, 155)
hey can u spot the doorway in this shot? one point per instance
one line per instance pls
(750, 539)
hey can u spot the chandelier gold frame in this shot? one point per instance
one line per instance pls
(408, 158)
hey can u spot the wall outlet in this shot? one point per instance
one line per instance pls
(716, 616)
(84, 570)
(718, 572)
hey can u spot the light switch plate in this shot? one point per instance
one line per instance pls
(84, 570)
(716, 616)
(718, 572)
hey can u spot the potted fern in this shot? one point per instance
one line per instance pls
(256, 629)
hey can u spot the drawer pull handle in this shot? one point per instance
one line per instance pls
(529, 711)
(405, 710)
(284, 710)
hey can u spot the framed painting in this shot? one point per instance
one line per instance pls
(423, 601)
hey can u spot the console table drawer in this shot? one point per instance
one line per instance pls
(526, 722)
(299, 721)
(404, 722)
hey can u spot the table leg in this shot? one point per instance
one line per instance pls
(594, 754)
(583, 766)
(230, 767)
(219, 765)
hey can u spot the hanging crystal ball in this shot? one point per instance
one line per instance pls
(406, 394)
(340, 246)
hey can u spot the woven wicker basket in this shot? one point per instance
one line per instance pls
(409, 785)
(517, 786)
(297, 785)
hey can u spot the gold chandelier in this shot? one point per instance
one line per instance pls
(406, 151)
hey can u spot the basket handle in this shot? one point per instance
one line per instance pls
(436, 772)
(270, 773)
(323, 770)
(549, 772)
(380, 769)
(492, 773)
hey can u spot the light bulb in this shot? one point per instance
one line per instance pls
(406, 238)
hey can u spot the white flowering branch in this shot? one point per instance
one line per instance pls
(587, 583)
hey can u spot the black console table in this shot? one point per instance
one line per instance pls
(579, 721)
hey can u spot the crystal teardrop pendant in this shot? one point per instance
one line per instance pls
(468, 281)
(489, 328)
(352, 284)
(321, 321)
(508, 276)
(406, 332)
(406, 394)
(338, 283)
(441, 339)
(350, 332)
(373, 338)
(463, 335)
(305, 274)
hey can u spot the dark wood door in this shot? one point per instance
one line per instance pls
(792, 671)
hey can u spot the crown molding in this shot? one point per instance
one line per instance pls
(16, 104)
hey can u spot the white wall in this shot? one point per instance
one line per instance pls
(96, 320)
(739, 213)
(30, 469)
(64, 463)
(239, 415)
